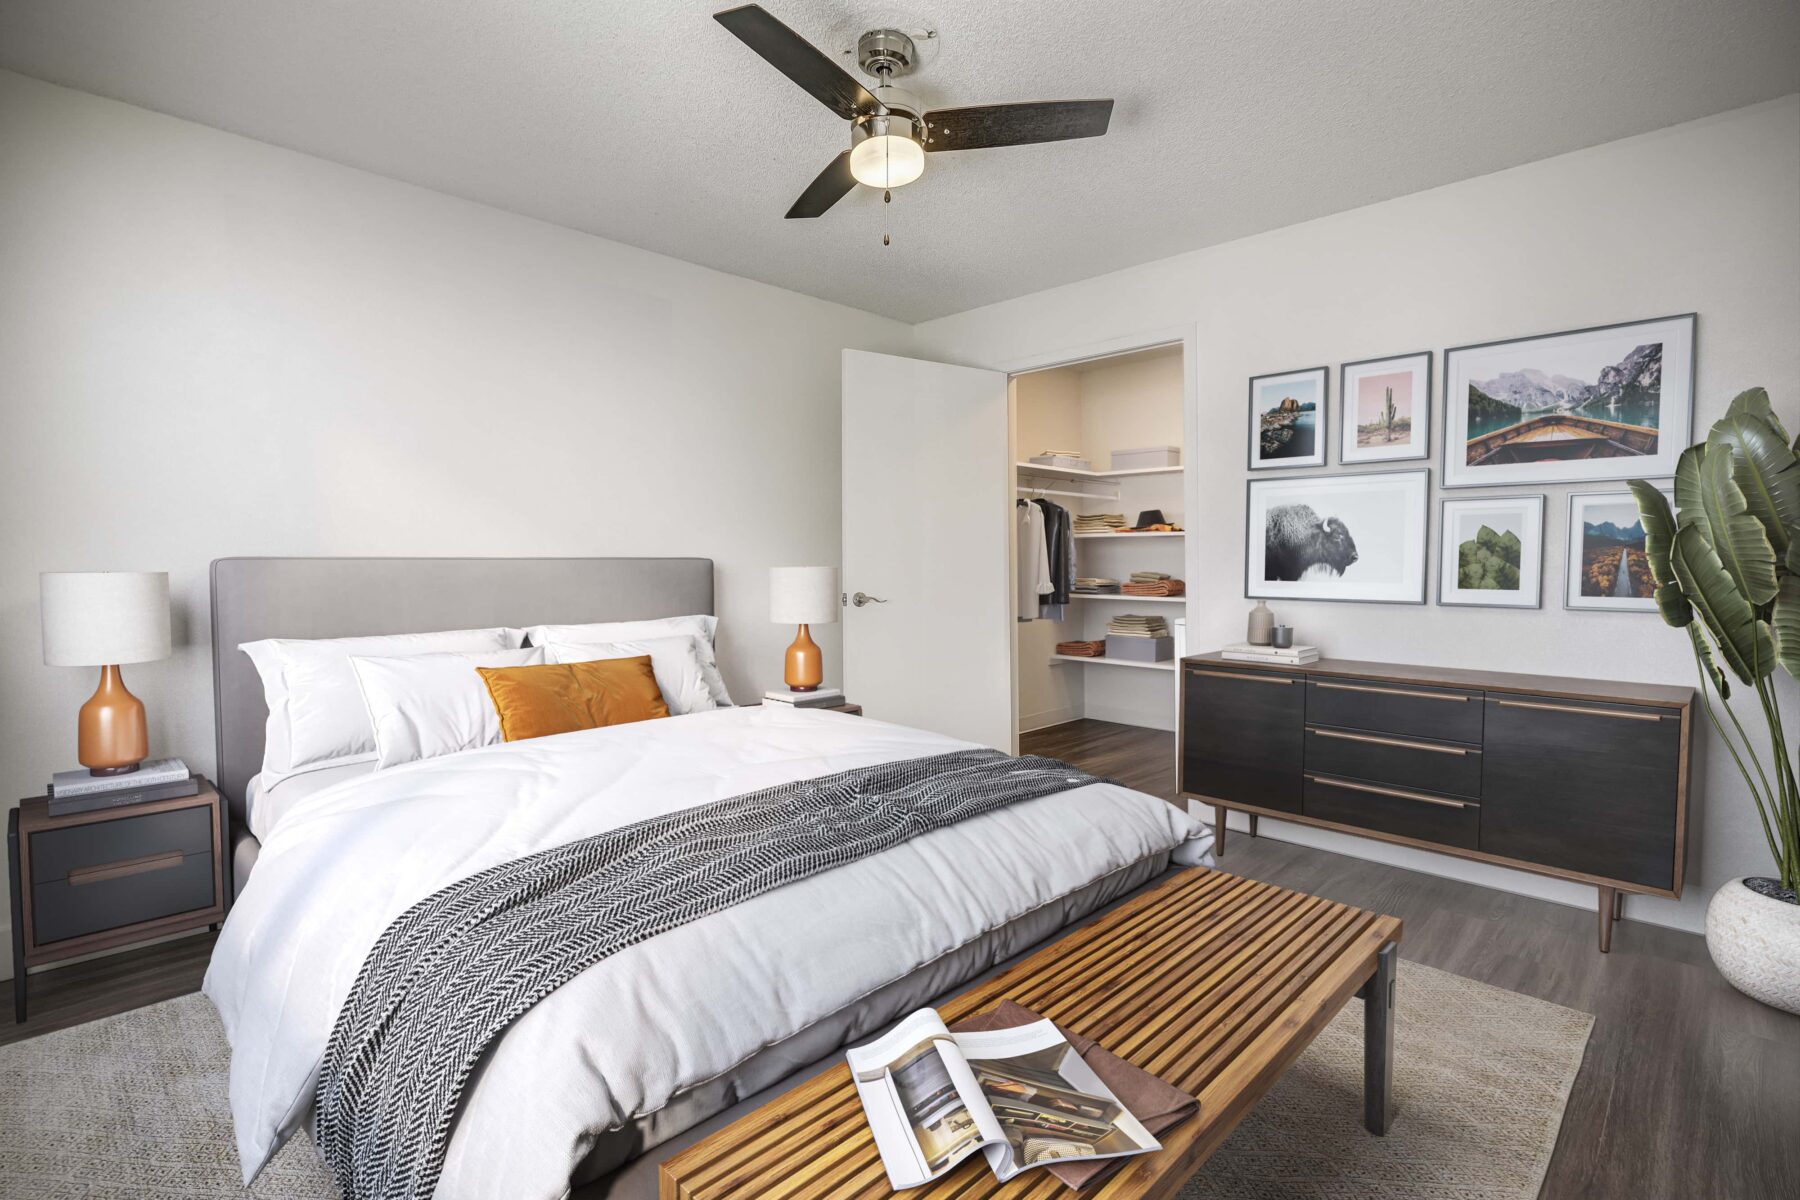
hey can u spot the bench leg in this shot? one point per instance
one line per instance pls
(1378, 1043)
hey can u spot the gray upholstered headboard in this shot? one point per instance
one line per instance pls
(254, 598)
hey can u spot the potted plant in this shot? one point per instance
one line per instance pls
(1726, 564)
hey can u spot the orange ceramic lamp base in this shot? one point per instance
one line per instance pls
(805, 663)
(113, 736)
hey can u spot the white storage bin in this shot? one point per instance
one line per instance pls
(1147, 456)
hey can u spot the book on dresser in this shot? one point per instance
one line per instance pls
(1293, 655)
(67, 805)
(818, 698)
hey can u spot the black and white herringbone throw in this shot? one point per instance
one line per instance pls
(452, 972)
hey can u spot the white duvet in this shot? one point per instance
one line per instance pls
(631, 1033)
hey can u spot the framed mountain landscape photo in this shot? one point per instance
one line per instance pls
(1491, 552)
(1608, 569)
(1614, 402)
(1287, 419)
(1384, 408)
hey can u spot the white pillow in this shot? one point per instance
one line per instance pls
(317, 717)
(601, 633)
(675, 661)
(427, 705)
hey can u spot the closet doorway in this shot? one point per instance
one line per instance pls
(1099, 557)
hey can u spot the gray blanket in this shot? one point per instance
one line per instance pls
(451, 973)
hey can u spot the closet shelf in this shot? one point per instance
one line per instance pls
(1119, 537)
(1076, 475)
(1165, 665)
(1132, 599)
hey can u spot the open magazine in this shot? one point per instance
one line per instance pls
(1021, 1096)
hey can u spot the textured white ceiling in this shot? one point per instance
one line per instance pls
(645, 122)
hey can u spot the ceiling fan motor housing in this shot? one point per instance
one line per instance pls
(886, 53)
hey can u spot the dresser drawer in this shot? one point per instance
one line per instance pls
(1446, 820)
(1402, 762)
(143, 888)
(56, 852)
(1446, 714)
(1241, 735)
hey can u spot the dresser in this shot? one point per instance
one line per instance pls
(1579, 779)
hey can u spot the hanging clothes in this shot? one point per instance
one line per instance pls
(1059, 539)
(1034, 559)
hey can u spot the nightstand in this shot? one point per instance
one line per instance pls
(95, 880)
(854, 710)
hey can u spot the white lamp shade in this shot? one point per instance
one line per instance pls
(803, 595)
(104, 618)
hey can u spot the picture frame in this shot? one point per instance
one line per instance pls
(1591, 575)
(1289, 418)
(1603, 404)
(1358, 537)
(1491, 551)
(1402, 384)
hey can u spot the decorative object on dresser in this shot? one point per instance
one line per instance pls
(804, 596)
(96, 880)
(1728, 571)
(1287, 419)
(1289, 655)
(1261, 629)
(77, 791)
(1384, 408)
(1608, 569)
(1613, 402)
(1491, 552)
(106, 619)
(1574, 778)
(817, 698)
(1338, 537)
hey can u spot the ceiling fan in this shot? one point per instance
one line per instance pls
(890, 131)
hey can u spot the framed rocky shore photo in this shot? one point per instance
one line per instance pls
(1491, 552)
(1607, 567)
(1287, 419)
(1384, 408)
(1338, 537)
(1611, 403)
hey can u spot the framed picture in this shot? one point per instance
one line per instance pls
(1615, 402)
(1287, 419)
(1491, 552)
(1384, 409)
(1607, 568)
(1338, 537)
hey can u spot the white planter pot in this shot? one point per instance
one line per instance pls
(1755, 942)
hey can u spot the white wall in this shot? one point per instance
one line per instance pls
(211, 347)
(1702, 217)
(1046, 411)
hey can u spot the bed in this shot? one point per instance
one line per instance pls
(656, 1039)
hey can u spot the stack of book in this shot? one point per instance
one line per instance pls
(1292, 656)
(1096, 586)
(818, 698)
(1099, 522)
(79, 791)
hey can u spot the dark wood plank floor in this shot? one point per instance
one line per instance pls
(1689, 1091)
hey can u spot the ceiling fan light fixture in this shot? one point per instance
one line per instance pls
(887, 160)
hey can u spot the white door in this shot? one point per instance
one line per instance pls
(927, 529)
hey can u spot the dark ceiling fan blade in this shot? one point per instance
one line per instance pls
(830, 187)
(798, 59)
(987, 125)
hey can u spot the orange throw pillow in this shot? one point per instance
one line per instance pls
(536, 702)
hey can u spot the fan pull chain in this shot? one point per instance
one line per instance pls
(887, 198)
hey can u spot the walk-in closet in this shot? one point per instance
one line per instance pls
(1099, 538)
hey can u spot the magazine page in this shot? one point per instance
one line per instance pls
(1048, 1103)
(923, 1103)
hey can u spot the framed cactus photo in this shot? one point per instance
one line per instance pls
(1491, 552)
(1384, 409)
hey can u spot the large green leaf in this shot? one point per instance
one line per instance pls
(1764, 467)
(1703, 649)
(1744, 642)
(1687, 487)
(1739, 539)
(1786, 623)
(1659, 532)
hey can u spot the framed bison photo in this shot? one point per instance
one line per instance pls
(1608, 569)
(1338, 537)
(1491, 552)
(1287, 419)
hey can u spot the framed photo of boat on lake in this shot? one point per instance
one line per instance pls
(1287, 419)
(1384, 409)
(1608, 569)
(1613, 402)
(1491, 552)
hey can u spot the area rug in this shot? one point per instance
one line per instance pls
(134, 1106)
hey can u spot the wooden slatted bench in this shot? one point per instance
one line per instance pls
(1214, 982)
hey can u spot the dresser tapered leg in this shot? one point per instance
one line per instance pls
(1252, 824)
(1607, 918)
(1221, 818)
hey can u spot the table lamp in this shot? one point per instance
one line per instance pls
(804, 596)
(105, 619)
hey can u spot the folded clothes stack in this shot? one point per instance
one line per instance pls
(1137, 625)
(1154, 583)
(1082, 649)
(1099, 522)
(1096, 586)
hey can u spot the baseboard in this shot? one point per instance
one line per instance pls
(1030, 722)
(1162, 718)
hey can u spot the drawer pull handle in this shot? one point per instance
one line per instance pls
(1589, 712)
(1247, 677)
(119, 870)
(1385, 691)
(1386, 791)
(1459, 751)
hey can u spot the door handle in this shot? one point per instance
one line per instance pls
(862, 598)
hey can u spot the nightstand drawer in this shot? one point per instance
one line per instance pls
(145, 887)
(57, 852)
